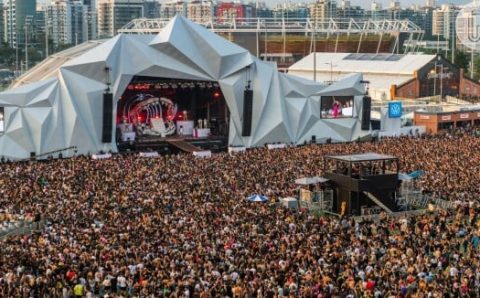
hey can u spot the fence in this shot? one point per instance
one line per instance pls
(24, 228)
(418, 200)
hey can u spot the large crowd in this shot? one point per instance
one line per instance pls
(177, 226)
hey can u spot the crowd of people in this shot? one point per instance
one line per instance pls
(175, 226)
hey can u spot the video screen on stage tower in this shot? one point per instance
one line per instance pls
(334, 107)
(1, 119)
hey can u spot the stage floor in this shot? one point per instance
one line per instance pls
(164, 146)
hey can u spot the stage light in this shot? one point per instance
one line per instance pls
(216, 94)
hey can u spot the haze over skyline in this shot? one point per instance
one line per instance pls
(385, 3)
(404, 3)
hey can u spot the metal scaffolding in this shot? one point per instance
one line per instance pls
(308, 27)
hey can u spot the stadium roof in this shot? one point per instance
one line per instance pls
(365, 63)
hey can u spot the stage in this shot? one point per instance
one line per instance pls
(170, 116)
(169, 145)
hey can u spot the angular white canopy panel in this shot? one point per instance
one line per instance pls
(350, 85)
(66, 108)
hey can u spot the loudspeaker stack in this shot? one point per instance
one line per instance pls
(247, 112)
(107, 117)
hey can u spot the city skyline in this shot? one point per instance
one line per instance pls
(406, 3)
(385, 3)
(363, 3)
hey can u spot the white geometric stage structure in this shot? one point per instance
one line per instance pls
(59, 105)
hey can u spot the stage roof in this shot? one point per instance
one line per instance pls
(48, 68)
(370, 156)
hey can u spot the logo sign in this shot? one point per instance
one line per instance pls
(424, 117)
(468, 25)
(448, 117)
(395, 109)
(464, 116)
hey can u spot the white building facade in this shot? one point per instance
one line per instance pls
(18, 16)
(443, 21)
(114, 14)
(67, 22)
(200, 11)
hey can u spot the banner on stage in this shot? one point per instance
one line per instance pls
(276, 146)
(237, 149)
(206, 153)
(101, 156)
(149, 154)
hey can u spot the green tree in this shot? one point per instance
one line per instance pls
(462, 60)
(62, 46)
(476, 68)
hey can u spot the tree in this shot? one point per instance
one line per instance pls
(476, 68)
(462, 60)
(62, 46)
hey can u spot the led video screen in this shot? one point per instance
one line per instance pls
(334, 107)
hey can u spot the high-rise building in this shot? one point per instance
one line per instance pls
(39, 22)
(200, 11)
(323, 10)
(152, 9)
(67, 22)
(430, 3)
(345, 4)
(289, 11)
(346, 11)
(171, 8)
(227, 11)
(443, 21)
(377, 12)
(262, 11)
(18, 18)
(395, 5)
(112, 15)
(2, 23)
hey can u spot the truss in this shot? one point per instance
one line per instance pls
(306, 26)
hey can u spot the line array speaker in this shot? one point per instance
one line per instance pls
(247, 113)
(107, 117)
(366, 110)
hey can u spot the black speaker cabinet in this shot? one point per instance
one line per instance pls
(107, 118)
(247, 113)
(366, 111)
